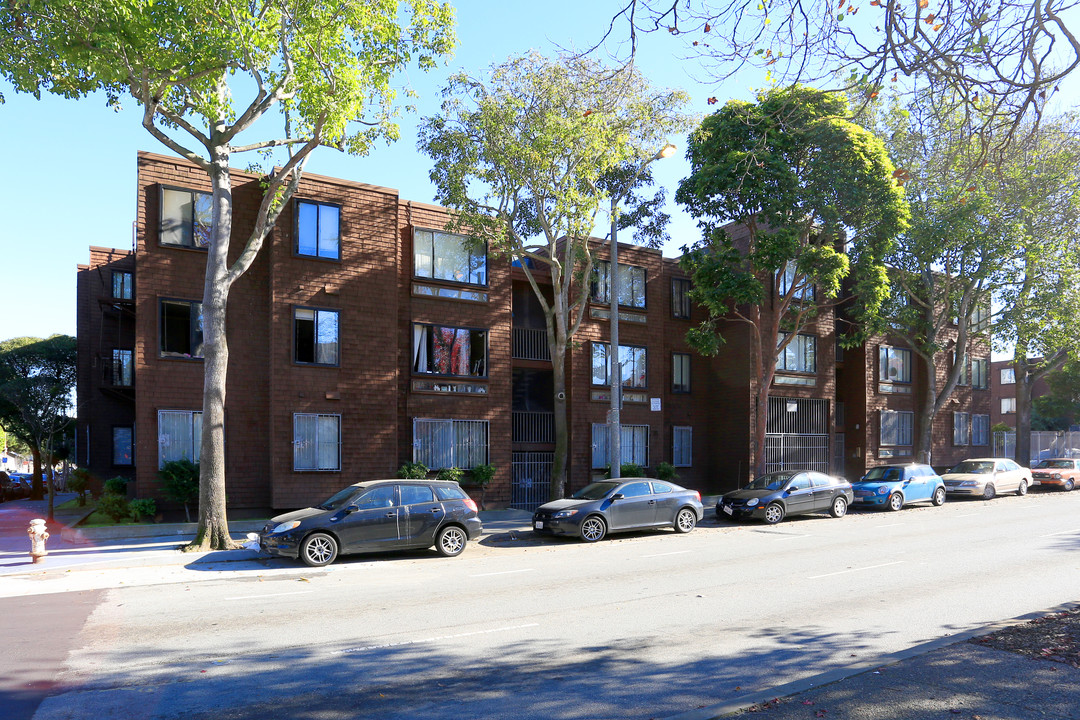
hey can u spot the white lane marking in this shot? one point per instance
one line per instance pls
(967, 515)
(270, 595)
(871, 567)
(440, 637)
(891, 525)
(1063, 532)
(677, 552)
(503, 572)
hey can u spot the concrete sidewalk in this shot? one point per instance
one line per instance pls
(945, 678)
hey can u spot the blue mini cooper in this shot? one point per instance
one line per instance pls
(893, 486)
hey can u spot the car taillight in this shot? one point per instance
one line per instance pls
(698, 494)
(471, 504)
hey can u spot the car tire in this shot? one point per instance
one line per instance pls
(989, 491)
(839, 507)
(1069, 485)
(895, 502)
(939, 497)
(450, 541)
(318, 549)
(685, 520)
(593, 529)
(1023, 488)
(774, 513)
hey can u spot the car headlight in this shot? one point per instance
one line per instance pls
(1057, 476)
(968, 483)
(883, 490)
(751, 502)
(285, 527)
(563, 514)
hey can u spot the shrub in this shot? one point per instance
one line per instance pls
(629, 470)
(666, 471)
(452, 474)
(116, 486)
(79, 481)
(482, 475)
(412, 471)
(144, 508)
(114, 505)
(180, 481)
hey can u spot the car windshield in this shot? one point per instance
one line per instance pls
(594, 491)
(881, 473)
(973, 466)
(1058, 464)
(772, 481)
(338, 499)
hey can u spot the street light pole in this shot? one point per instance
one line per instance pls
(614, 367)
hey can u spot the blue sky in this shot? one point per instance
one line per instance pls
(70, 178)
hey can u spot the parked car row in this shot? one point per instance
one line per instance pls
(413, 514)
(14, 486)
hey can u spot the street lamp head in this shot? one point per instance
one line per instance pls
(666, 151)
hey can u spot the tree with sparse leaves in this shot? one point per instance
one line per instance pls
(529, 158)
(792, 200)
(324, 68)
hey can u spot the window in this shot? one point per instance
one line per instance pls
(441, 444)
(896, 427)
(839, 420)
(631, 284)
(980, 429)
(186, 217)
(963, 379)
(123, 285)
(980, 373)
(123, 445)
(318, 230)
(181, 329)
(634, 444)
(680, 372)
(123, 368)
(315, 336)
(1008, 406)
(980, 319)
(631, 359)
(894, 365)
(381, 496)
(800, 355)
(960, 427)
(439, 350)
(786, 278)
(316, 442)
(446, 256)
(413, 494)
(179, 435)
(680, 298)
(1008, 376)
(681, 446)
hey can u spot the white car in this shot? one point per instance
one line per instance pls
(986, 477)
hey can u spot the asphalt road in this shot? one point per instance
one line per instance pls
(641, 626)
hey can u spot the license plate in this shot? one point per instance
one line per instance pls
(728, 510)
(539, 525)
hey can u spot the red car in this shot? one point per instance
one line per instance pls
(1063, 473)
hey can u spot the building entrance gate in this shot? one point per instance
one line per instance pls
(797, 435)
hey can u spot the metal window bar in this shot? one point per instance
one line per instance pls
(450, 443)
(797, 452)
(532, 427)
(530, 479)
(530, 344)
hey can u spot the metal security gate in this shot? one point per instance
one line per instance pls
(797, 435)
(1044, 444)
(530, 479)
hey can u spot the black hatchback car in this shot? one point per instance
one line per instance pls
(376, 516)
(777, 495)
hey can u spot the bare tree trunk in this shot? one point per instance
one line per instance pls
(1024, 380)
(35, 482)
(213, 529)
(562, 430)
(926, 411)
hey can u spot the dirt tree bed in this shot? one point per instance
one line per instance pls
(1054, 637)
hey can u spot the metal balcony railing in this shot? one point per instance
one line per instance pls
(530, 344)
(118, 373)
(532, 427)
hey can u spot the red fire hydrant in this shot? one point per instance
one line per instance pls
(38, 535)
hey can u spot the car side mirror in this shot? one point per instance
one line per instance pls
(617, 496)
(351, 509)
(794, 488)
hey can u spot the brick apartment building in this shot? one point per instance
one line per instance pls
(364, 336)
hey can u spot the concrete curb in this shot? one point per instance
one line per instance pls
(744, 702)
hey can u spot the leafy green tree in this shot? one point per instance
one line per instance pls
(37, 379)
(792, 200)
(528, 160)
(956, 255)
(180, 482)
(1059, 408)
(188, 63)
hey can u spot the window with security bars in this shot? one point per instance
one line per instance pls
(634, 442)
(179, 433)
(961, 428)
(980, 429)
(442, 444)
(896, 427)
(316, 442)
(681, 446)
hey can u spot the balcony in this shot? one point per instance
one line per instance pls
(532, 427)
(530, 344)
